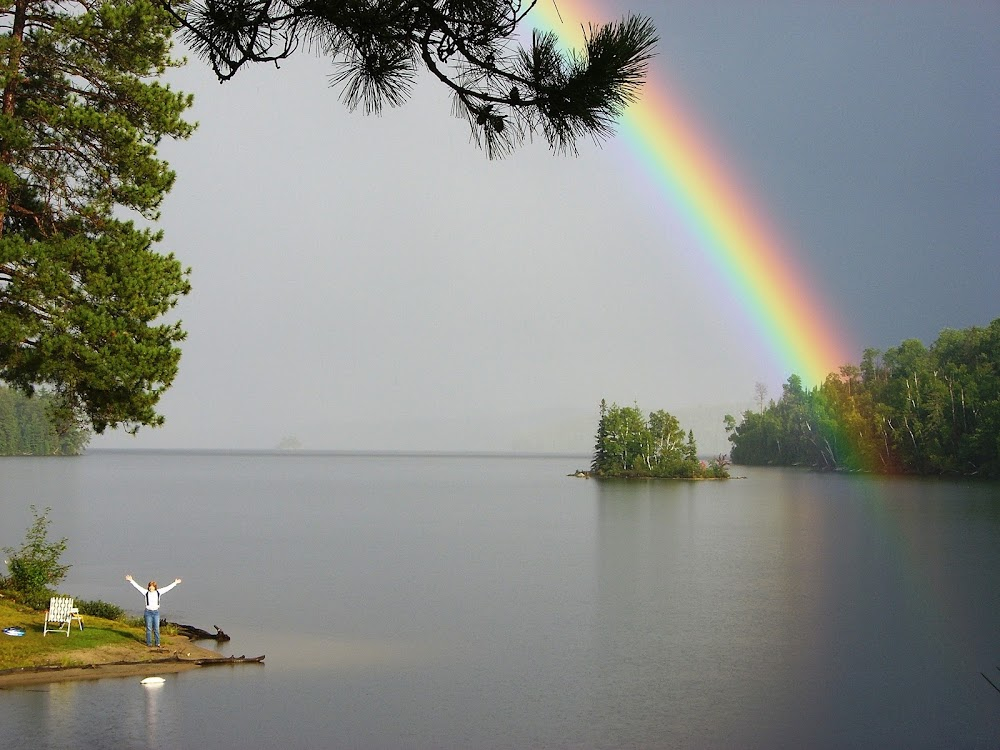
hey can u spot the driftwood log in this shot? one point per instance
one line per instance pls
(201, 662)
(197, 634)
(230, 660)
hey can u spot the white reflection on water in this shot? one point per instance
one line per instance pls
(59, 717)
(151, 720)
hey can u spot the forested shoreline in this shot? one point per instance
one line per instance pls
(29, 426)
(909, 410)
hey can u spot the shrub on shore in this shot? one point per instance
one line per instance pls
(34, 566)
(98, 608)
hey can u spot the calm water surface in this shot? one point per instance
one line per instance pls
(471, 602)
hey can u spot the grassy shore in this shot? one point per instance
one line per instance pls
(102, 648)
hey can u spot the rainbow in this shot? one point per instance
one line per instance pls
(759, 267)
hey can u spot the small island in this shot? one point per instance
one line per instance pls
(630, 445)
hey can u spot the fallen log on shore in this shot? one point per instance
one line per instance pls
(197, 634)
(173, 658)
(228, 660)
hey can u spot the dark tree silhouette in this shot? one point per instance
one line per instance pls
(506, 91)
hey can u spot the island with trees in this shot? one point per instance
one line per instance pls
(628, 444)
(909, 410)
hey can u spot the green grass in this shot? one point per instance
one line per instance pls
(33, 649)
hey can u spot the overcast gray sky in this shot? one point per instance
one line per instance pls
(377, 283)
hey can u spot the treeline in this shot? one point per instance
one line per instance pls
(629, 445)
(32, 427)
(911, 409)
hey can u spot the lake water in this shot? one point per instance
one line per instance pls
(494, 602)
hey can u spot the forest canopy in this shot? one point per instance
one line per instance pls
(910, 409)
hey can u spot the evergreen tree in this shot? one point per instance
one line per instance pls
(81, 286)
(691, 448)
(506, 92)
(600, 460)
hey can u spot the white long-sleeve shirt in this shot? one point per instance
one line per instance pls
(153, 596)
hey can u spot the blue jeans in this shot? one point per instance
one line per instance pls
(152, 618)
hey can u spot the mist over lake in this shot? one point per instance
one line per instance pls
(430, 601)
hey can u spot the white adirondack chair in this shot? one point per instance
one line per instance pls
(60, 615)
